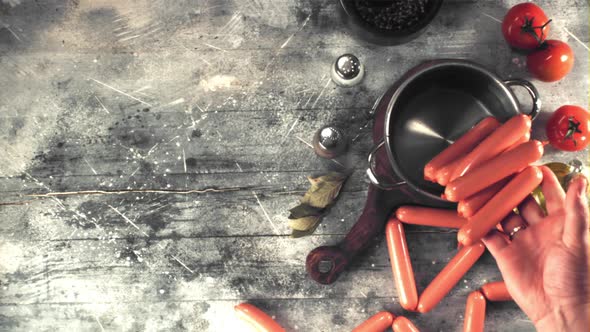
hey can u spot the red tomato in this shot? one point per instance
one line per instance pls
(525, 26)
(567, 128)
(551, 62)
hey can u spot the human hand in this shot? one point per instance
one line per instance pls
(546, 265)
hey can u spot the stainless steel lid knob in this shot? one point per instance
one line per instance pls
(347, 70)
(329, 142)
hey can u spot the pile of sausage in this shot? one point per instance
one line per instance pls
(475, 312)
(488, 173)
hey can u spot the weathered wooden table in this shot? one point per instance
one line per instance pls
(150, 150)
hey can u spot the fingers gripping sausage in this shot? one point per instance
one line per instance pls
(500, 205)
(494, 170)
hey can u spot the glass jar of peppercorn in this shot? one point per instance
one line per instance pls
(388, 22)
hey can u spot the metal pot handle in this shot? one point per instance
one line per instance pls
(373, 175)
(532, 91)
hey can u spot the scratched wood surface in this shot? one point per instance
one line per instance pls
(177, 133)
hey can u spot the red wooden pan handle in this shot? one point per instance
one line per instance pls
(325, 264)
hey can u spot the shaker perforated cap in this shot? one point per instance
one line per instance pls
(329, 142)
(347, 70)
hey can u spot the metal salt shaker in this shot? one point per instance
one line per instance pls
(347, 70)
(329, 142)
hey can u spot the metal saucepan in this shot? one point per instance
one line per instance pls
(424, 112)
(430, 107)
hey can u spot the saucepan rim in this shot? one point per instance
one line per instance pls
(430, 66)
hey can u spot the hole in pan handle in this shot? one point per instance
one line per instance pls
(531, 90)
(372, 174)
(325, 264)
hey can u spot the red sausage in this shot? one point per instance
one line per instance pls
(496, 291)
(401, 265)
(498, 141)
(443, 175)
(257, 318)
(469, 206)
(402, 324)
(418, 215)
(475, 312)
(494, 170)
(523, 139)
(500, 205)
(449, 276)
(379, 322)
(461, 146)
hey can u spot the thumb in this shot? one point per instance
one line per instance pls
(575, 232)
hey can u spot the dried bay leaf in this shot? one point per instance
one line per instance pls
(297, 234)
(304, 223)
(304, 210)
(324, 190)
